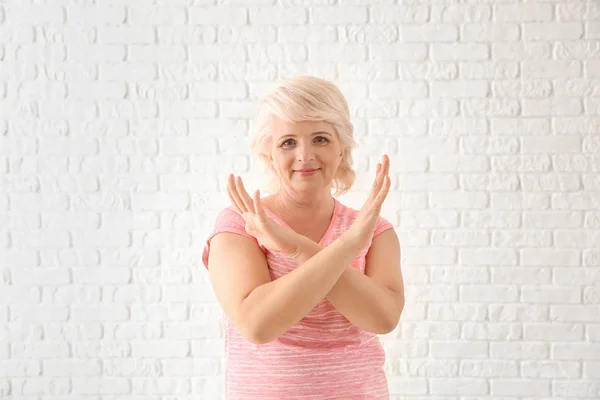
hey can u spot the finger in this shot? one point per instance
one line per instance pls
(384, 170)
(232, 193)
(378, 181)
(386, 164)
(244, 195)
(382, 195)
(258, 205)
(233, 204)
(374, 190)
(235, 195)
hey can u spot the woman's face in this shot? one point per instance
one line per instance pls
(306, 155)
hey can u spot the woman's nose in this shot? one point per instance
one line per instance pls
(305, 153)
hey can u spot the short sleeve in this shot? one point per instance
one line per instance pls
(382, 225)
(227, 221)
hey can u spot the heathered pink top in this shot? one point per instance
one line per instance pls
(323, 356)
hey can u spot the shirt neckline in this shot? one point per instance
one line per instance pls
(336, 207)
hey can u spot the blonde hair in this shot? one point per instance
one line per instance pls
(306, 98)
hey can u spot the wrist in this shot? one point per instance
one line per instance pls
(305, 248)
(351, 241)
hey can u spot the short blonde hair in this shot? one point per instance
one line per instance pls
(306, 98)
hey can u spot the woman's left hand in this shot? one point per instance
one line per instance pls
(270, 234)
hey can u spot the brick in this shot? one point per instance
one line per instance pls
(330, 53)
(461, 13)
(523, 12)
(458, 350)
(125, 34)
(398, 52)
(475, 107)
(430, 330)
(551, 69)
(520, 89)
(369, 34)
(102, 385)
(407, 385)
(552, 30)
(592, 30)
(34, 14)
(459, 163)
(429, 33)
(488, 294)
(577, 12)
(583, 49)
(460, 89)
(489, 368)
(427, 71)
(388, 90)
(282, 16)
(220, 16)
(456, 312)
(235, 53)
(490, 32)
(486, 182)
(522, 51)
(591, 369)
(303, 34)
(459, 51)
(87, 15)
(399, 14)
(520, 387)
(519, 350)
(69, 368)
(428, 108)
(491, 331)
(425, 367)
(488, 219)
(156, 15)
(190, 35)
(576, 388)
(520, 201)
(458, 386)
(519, 276)
(575, 313)
(332, 15)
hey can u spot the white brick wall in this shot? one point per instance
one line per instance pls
(119, 121)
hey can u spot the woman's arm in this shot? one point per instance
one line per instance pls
(263, 309)
(372, 301)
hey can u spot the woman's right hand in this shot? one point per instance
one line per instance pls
(361, 230)
(273, 236)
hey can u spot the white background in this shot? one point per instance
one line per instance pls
(119, 121)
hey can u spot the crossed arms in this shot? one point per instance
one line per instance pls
(263, 309)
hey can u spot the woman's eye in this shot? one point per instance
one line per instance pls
(288, 142)
(321, 139)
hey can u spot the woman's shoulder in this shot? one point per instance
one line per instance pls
(227, 216)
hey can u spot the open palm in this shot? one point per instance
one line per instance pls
(270, 234)
(363, 226)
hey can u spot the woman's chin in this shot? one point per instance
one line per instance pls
(307, 187)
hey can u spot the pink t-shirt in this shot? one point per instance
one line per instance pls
(323, 356)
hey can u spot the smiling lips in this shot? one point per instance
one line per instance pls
(307, 171)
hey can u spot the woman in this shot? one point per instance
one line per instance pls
(305, 282)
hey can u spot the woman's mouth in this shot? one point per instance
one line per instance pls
(307, 171)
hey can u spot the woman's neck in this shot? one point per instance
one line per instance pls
(296, 208)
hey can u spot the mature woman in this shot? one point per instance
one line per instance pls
(306, 283)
